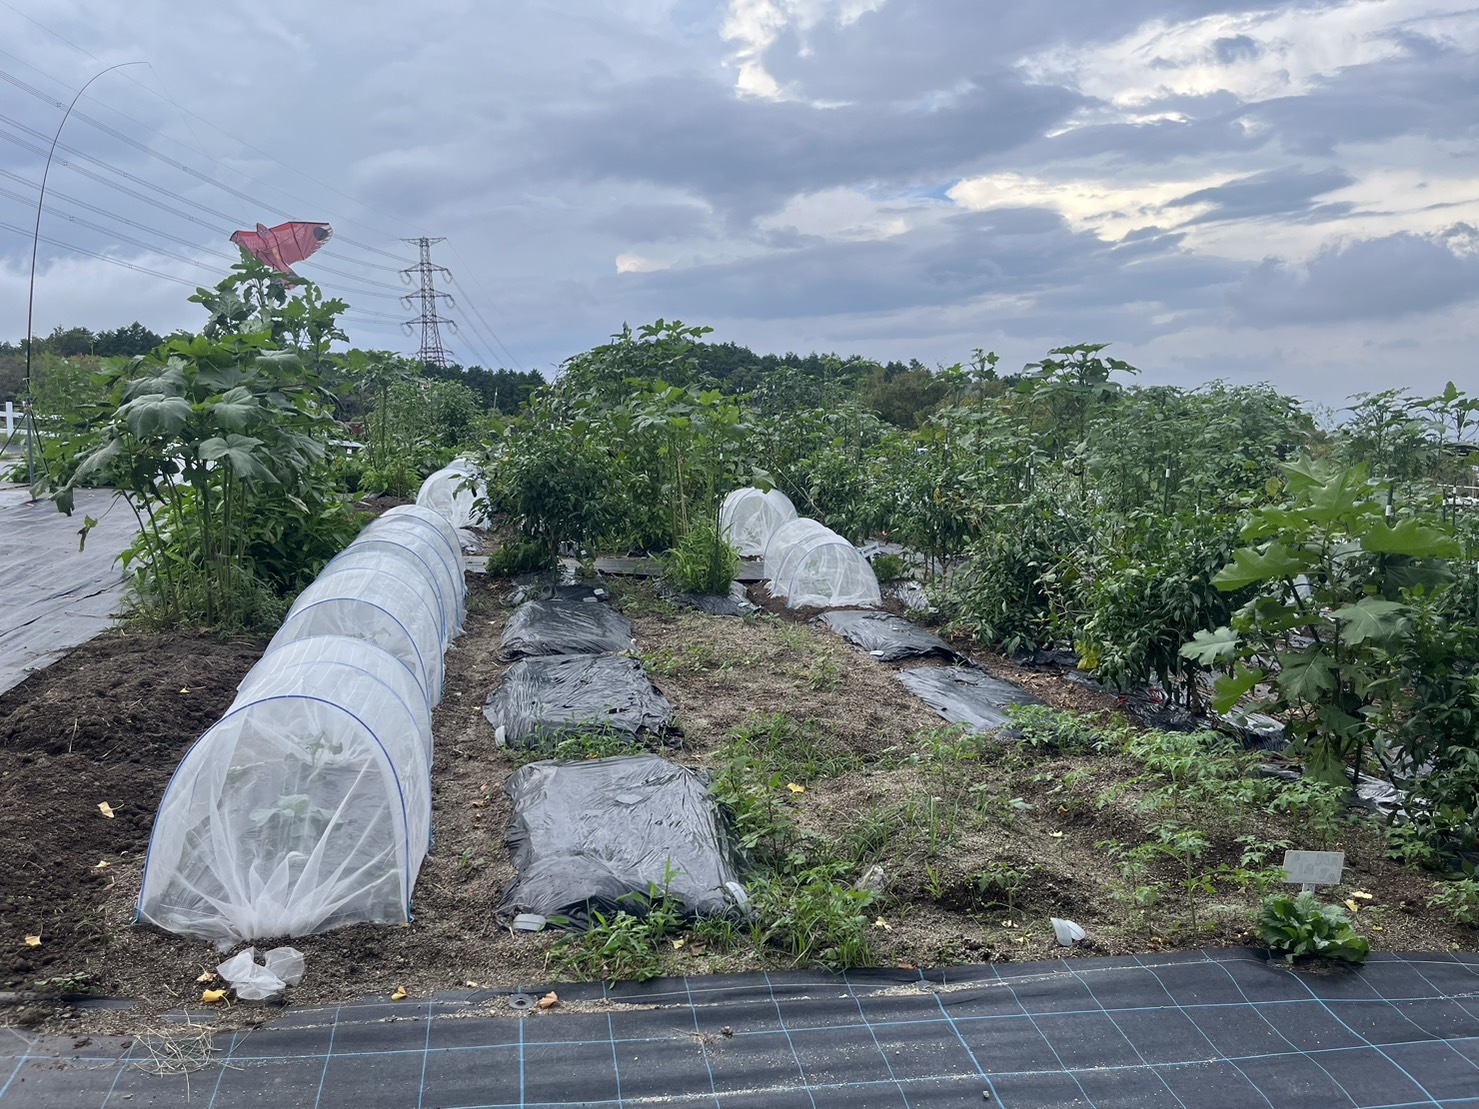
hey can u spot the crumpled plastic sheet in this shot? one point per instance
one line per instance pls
(254, 981)
(965, 695)
(736, 603)
(557, 627)
(544, 698)
(597, 835)
(886, 637)
(541, 588)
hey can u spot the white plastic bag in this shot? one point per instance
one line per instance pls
(256, 982)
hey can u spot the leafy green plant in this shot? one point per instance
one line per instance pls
(1300, 926)
(520, 556)
(1001, 882)
(1335, 567)
(631, 943)
(1043, 728)
(816, 916)
(889, 567)
(702, 562)
(207, 433)
(1460, 898)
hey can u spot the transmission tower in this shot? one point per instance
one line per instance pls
(432, 351)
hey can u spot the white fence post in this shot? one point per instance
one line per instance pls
(10, 415)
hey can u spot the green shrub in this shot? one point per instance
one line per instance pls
(1301, 926)
(702, 562)
(522, 556)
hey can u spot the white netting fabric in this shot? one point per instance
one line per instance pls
(454, 491)
(748, 517)
(810, 565)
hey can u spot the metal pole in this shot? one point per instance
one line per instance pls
(31, 293)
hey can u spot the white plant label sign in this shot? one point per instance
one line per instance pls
(1314, 868)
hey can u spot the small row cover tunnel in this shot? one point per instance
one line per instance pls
(308, 805)
(807, 563)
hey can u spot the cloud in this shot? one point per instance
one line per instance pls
(1375, 279)
(1282, 192)
(748, 157)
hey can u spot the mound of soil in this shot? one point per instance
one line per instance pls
(107, 724)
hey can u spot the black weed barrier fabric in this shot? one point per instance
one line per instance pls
(601, 834)
(1204, 1030)
(965, 695)
(885, 637)
(559, 627)
(545, 698)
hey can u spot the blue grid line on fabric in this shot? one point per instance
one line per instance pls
(425, 1055)
(523, 1090)
(954, 1028)
(1062, 1066)
(15, 1071)
(944, 1021)
(1256, 1007)
(888, 1066)
(221, 1071)
(615, 1062)
(702, 1047)
(1138, 1054)
(1172, 998)
(123, 1064)
(805, 1082)
(328, 1054)
(1378, 1048)
(1438, 993)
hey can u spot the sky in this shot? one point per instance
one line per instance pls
(1249, 192)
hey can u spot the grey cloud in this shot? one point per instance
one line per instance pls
(1383, 278)
(653, 223)
(749, 156)
(1236, 48)
(1279, 192)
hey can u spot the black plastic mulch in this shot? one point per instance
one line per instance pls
(966, 695)
(1214, 1030)
(544, 698)
(886, 637)
(561, 627)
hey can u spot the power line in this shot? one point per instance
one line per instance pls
(101, 257)
(473, 304)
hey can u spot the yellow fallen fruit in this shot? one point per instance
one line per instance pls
(678, 945)
(1361, 895)
(106, 809)
(399, 995)
(1056, 835)
(549, 1000)
(33, 941)
(885, 925)
(103, 864)
(471, 985)
(212, 997)
(185, 690)
(1352, 906)
(206, 978)
(794, 788)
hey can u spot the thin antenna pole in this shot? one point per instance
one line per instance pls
(31, 292)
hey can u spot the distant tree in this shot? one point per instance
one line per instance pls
(904, 396)
(126, 342)
(68, 342)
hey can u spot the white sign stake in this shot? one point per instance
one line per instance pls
(1313, 868)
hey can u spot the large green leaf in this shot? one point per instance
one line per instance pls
(237, 454)
(154, 414)
(1409, 537)
(1305, 675)
(1249, 567)
(1233, 688)
(1370, 618)
(236, 410)
(1209, 648)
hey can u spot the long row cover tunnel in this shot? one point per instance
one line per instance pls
(308, 805)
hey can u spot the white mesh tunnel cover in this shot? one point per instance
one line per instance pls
(748, 518)
(454, 492)
(378, 608)
(428, 516)
(293, 815)
(429, 542)
(406, 569)
(810, 565)
(336, 660)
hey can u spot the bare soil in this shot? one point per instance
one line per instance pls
(111, 721)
